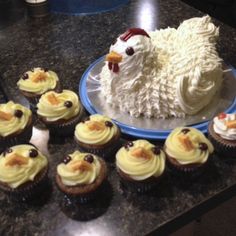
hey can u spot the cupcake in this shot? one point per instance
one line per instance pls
(222, 133)
(23, 171)
(60, 112)
(37, 81)
(15, 124)
(98, 134)
(140, 165)
(187, 149)
(81, 175)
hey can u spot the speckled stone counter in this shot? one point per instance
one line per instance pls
(67, 45)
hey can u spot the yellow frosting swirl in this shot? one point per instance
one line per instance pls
(185, 147)
(139, 161)
(9, 123)
(78, 171)
(52, 105)
(95, 130)
(17, 167)
(38, 81)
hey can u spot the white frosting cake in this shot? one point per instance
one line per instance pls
(164, 73)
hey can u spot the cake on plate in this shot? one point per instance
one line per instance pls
(165, 73)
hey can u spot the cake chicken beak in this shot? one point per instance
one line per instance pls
(114, 57)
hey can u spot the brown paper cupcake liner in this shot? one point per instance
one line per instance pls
(225, 148)
(189, 171)
(106, 153)
(139, 186)
(65, 128)
(28, 190)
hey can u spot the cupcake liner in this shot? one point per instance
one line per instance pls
(29, 190)
(85, 198)
(107, 153)
(65, 128)
(139, 186)
(191, 170)
(22, 137)
(225, 148)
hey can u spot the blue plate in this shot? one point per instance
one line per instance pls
(134, 131)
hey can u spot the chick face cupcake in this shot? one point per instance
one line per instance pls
(187, 149)
(37, 81)
(60, 112)
(222, 133)
(81, 175)
(23, 170)
(98, 134)
(140, 165)
(15, 124)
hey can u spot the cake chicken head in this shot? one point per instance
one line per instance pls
(129, 50)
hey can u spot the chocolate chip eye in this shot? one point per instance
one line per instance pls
(25, 76)
(185, 131)
(129, 51)
(46, 69)
(108, 123)
(66, 159)
(203, 146)
(68, 104)
(89, 158)
(8, 150)
(156, 150)
(33, 153)
(18, 113)
(128, 144)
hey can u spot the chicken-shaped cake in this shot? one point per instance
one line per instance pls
(164, 73)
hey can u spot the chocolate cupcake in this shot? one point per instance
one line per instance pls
(222, 133)
(98, 134)
(187, 150)
(15, 124)
(81, 175)
(60, 112)
(140, 165)
(36, 82)
(23, 171)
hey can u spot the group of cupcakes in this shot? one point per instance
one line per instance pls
(81, 174)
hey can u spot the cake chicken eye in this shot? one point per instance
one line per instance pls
(129, 51)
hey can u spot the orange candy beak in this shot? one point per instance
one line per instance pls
(114, 57)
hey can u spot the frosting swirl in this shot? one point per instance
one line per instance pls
(225, 126)
(139, 161)
(78, 171)
(38, 81)
(17, 167)
(188, 145)
(56, 106)
(97, 130)
(10, 122)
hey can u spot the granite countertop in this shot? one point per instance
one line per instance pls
(68, 45)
